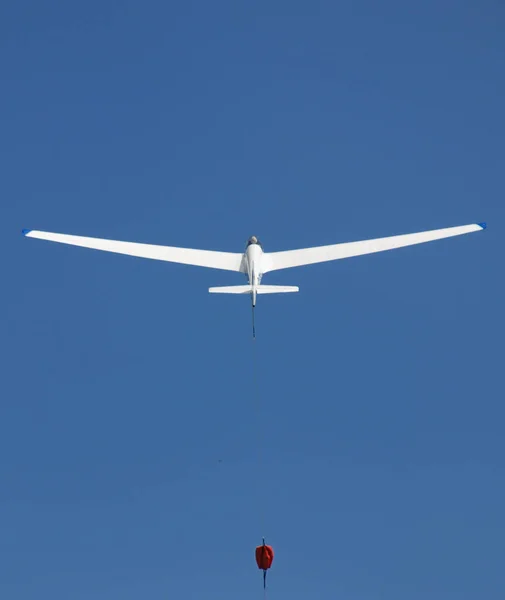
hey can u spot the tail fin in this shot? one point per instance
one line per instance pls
(247, 289)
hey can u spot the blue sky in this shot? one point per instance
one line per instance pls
(129, 429)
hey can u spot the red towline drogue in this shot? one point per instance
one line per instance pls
(264, 558)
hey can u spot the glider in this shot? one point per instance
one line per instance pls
(254, 262)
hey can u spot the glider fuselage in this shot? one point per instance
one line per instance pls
(253, 265)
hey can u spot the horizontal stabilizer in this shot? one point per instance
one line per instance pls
(247, 289)
(231, 289)
(276, 289)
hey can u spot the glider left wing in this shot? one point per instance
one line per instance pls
(274, 261)
(229, 261)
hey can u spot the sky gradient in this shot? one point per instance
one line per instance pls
(129, 425)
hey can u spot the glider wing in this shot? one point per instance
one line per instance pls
(307, 256)
(228, 261)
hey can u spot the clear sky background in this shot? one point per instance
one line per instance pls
(129, 430)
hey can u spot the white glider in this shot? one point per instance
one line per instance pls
(253, 261)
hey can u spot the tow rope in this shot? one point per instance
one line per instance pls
(264, 553)
(253, 326)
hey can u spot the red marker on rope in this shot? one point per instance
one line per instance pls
(264, 558)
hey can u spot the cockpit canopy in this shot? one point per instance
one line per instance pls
(254, 240)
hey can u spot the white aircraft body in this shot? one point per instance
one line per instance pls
(254, 262)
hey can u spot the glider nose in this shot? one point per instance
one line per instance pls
(253, 241)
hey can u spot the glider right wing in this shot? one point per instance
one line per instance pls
(229, 261)
(308, 256)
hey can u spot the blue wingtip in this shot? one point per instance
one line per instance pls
(26, 231)
(483, 225)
